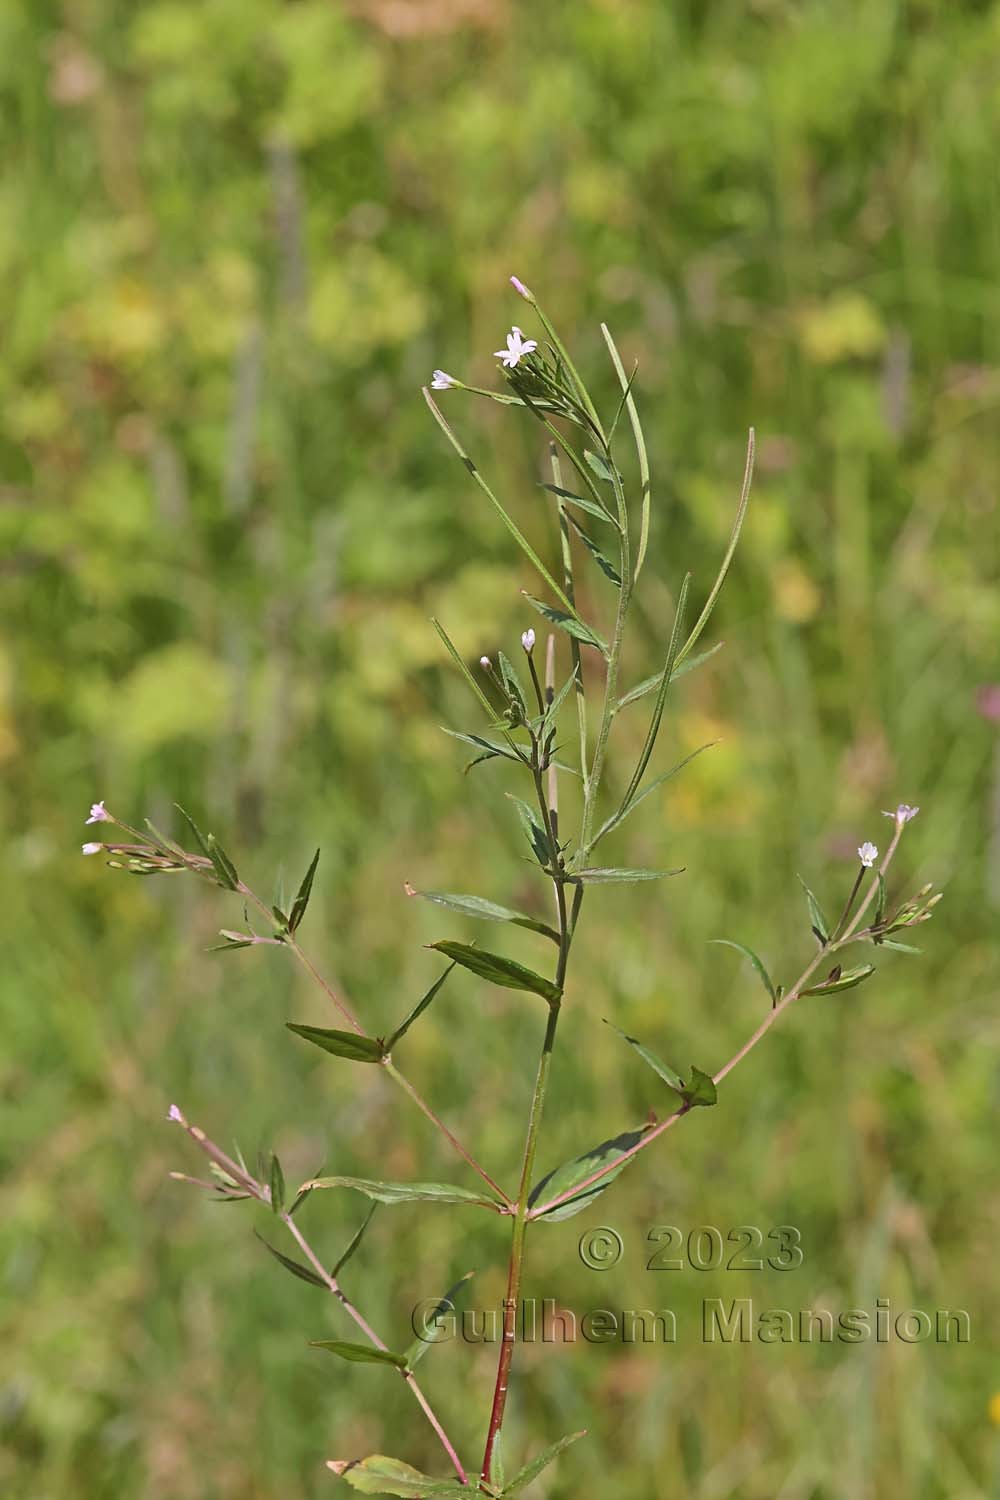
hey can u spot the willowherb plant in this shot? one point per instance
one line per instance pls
(525, 713)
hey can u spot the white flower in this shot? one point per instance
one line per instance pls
(98, 814)
(92, 848)
(904, 812)
(517, 347)
(868, 854)
(485, 663)
(528, 640)
(521, 289)
(175, 1116)
(442, 381)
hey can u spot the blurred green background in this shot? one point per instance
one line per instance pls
(235, 238)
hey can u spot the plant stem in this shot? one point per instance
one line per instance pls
(793, 994)
(262, 1193)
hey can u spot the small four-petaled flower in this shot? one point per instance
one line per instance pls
(517, 347)
(92, 848)
(868, 854)
(528, 640)
(98, 813)
(442, 381)
(904, 812)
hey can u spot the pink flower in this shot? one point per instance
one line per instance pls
(868, 854)
(521, 289)
(174, 1115)
(528, 640)
(442, 381)
(904, 812)
(98, 814)
(92, 848)
(517, 347)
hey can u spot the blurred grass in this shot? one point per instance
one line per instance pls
(234, 240)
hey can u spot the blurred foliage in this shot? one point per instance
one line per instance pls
(235, 238)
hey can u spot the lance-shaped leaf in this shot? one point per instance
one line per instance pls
(487, 911)
(818, 922)
(590, 506)
(640, 446)
(360, 1354)
(405, 1192)
(349, 1044)
(605, 564)
(612, 877)
(499, 970)
(570, 623)
(225, 870)
(899, 947)
(355, 1242)
(600, 466)
(565, 1178)
(301, 901)
(277, 1185)
(662, 1069)
(379, 1475)
(511, 681)
(534, 832)
(846, 980)
(650, 684)
(489, 747)
(434, 1325)
(762, 973)
(199, 837)
(531, 1471)
(656, 718)
(304, 1273)
(734, 537)
(628, 808)
(417, 1010)
(548, 719)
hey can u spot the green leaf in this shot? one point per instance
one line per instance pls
(471, 682)
(599, 465)
(658, 781)
(481, 743)
(846, 980)
(532, 1470)
(379, 1475)
(656, 717)
(355, 1242)
(700, 1090)
(535, 833)
(640, 447)
(433, 1326)
(488, 911)
(277, 1185)
(199, 837)
(573, 1172)
(404, 1192)
(230, 945)
(818, 921)
(605, 564)
(302, 1272)
(497, 1475)
(552, 709)
(360, 1354)
(417, 1010)
(734, 537)
(764, 976)
(662, 1069)
(349, 1044)
(899, 947)
(607, 877)
(511, 526)
(650, 684)
(590, 506)
(511, 681)
(225, 870)
(570, 623)
(498, 970)
(302, 899)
